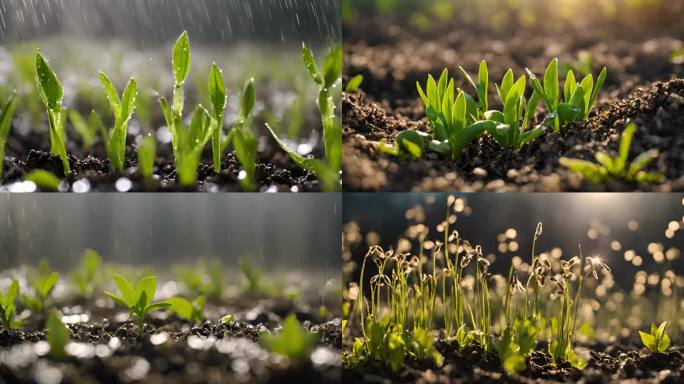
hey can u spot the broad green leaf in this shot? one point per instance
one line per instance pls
(588, 85)
(442, 86)
(128, 101)
(664, 344)
(530, 135)
(118, 299)
(292, 341)
(126, 289)
(649, 341)
(569, 112)
(181, 58)
(551, 88)
(148, 285)
(578, 98)
(112, 95)
(310, 64)
(49, 87)
(506, 85)
(12, 292)
(217, 91)
(569, 87)
(146, 155)
(332, 67)
(432, 92)
(43, 179)
(47, 284)
(441, 147)
(625, 144)
(157, 306)
(58, 336)
(588, 169)
(494, 115)
(247, 99)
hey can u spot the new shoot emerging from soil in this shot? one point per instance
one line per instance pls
(192, 311)
(139, 300)
(6, 114)
(51, 92)
(147, 151)
(657, 340)
(85, 279)
(326, 77)
(58, 336)
(618, 168)
(122, 109)
(292, 341)
(7, 307)
(42, 286)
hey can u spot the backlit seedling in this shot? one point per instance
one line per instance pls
(616, 168)
(58, 336)
(122, 109)
(354, 84)
(147, 151)
(657, 340)
(511, 125)
(293, 341)
(253, 277)
(192, 311)
(138, 300)
(42, 286)
(88, 130)
(217, 94)
(85, 279)
(187, 143)
(326, 78)
(578, 98)
(51, 92)
(244, 139)
(7, 307)
(6, 114)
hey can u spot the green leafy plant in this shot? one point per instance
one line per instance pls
(354, 84)
(51, 92)
(452, 115)
(578, 98)
(481, 87)
(88, 130)
(7, 307)
(325, 77)
(509, 352)
(147, 150)
(292, 341)
(204, 278)
(43, 284)
(6, 114)
(253, 277)
(244, 139)
(187, 143)
(657, 340)
(217, 94)
(192, 311)
(616, 168)
(511, 125)
(43, 179)
(58, 336)
(85, 279)
(122, 109)
(139, 300)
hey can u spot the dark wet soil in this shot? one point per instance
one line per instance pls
(275, 171)
(171, 350)
(607, 363)
(643, 85)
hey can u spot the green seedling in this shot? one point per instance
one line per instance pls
(511, 125)
(616, 168)
(244, 139)
(7, 307)
(147, 151)
(657, 340)
(452, 115)
(43, 286)
(326, 78)
(205, 278)
(139, 300)
(217, 95)
(187, 143)
(88, 130)
(122, 109)
(6, 114)
(509, 353)
(578, 98)
(481, 87)
(292, 341)
(45, 180)
(58, 336)
(253, 277)
(354, 84)
(227, 320)
(192, 311)
(85, 279)
(51, 92)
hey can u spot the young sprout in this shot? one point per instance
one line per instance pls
(293, 341)
(7, 307)
(122, 109)
(325, 77)
(354, 84)
(6, 114)
(147, 150)
(43, 286)
(244, 140)
(657, 340)
(88, 130)
(192, 311)
(578, 98)
(139, 300)
(217, 94)
(452, 114)
(253, 277)
(187, 143)
(51, 92)
(58, 336)
(610, 168)
(481, 87)
(85, 278)
(45, 180)
(511, 129)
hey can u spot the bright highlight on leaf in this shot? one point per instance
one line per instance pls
(292, 341)
(657, 340)
(138, 300)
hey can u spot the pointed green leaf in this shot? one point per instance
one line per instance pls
(147, 285)
(118, 299)
(128, 101)
(332, 67)
(310, 64)
(247, 99)
(181, 58)
(49, 87)
(110, 92)
(551, 88)
(126, 289)
(570, 85)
